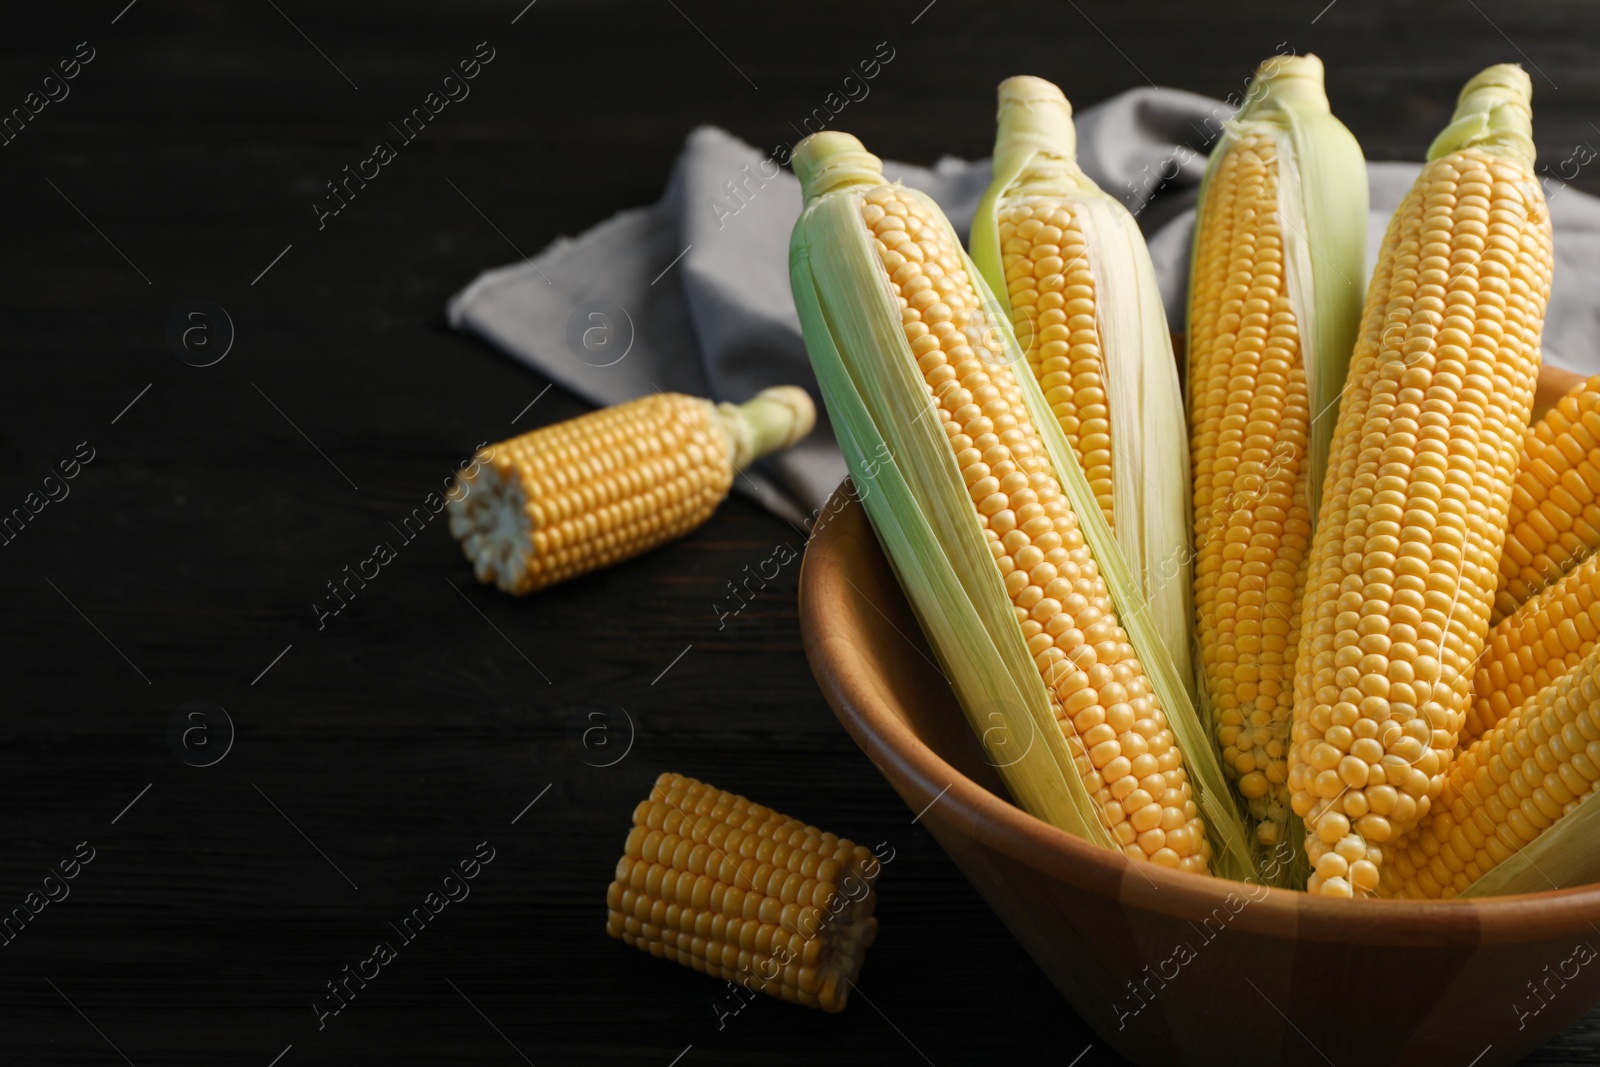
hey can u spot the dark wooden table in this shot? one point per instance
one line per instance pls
(372, 753)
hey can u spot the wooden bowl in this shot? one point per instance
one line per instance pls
(1174, 968)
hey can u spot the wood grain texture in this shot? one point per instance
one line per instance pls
(409, 729)
(1143, 952)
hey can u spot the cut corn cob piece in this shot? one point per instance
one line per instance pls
(1535, 645)
(1407, 548)
(735, 890)
(1504, 792)
(1070, 268)
(1273, 311)
(1554, 519)
(570, 498)
(990, 525)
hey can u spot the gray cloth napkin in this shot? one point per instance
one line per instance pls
(691, 294)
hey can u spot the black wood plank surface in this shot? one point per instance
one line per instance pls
(375, 748)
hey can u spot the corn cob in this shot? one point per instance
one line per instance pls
(994, 533)
(1554, 519)
(1407, 548)
(1273, 310)
(1070, 268)
(1505, 791)
(570, 498)
(1533, 646)
(739, 892)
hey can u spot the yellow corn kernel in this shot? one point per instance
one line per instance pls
(735, 890)
(1533, 646)
(1052, 296)
(1407, 548)
(1554, 519)
(1503, 792)
(1250, 449)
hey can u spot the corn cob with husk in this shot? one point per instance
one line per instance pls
(592, 491)
(1406, 554)
(1274, 305)
(735, 890)
(991, 527)
(1070, 269)
(1554, 519)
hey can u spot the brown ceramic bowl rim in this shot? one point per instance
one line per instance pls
(1002, 826)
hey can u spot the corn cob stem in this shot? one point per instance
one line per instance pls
(589, 492)
(1408, 544)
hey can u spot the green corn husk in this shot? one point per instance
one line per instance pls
(1322, 183)
(1035, 160)
(914, 495)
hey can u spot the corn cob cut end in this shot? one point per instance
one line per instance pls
(491, 521)
(589, 492)
(734, 890)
